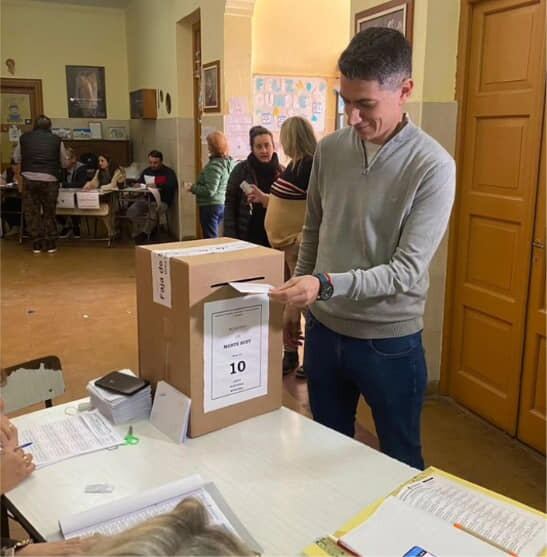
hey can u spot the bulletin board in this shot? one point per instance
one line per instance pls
(276, 98)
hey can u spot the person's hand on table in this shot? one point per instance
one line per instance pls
(9, 438)
(74, 546)
(16, 466)
(258, 196)
(298, 291)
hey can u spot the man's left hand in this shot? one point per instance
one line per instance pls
(299, 291)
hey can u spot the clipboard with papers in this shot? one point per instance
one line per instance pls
(440, 515)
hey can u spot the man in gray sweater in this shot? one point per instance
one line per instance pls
(379, 201)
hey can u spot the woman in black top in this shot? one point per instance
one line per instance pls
(244, 219)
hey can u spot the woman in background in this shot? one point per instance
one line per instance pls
(109, 175)
(286, 205)
(243, 213)
(210, 188)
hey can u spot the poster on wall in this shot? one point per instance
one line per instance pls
(277, 98)
(86, 91)
(16, 108)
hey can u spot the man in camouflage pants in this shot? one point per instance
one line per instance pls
(41, 155)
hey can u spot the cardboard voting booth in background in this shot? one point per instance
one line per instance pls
(219, 347)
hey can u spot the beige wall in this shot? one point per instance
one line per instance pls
(43, 37)
(303, 38)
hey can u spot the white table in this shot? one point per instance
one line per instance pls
(287, 478)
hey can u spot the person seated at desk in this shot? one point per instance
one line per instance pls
(183, 531)
(74, 176)
(144, 215)
(108, 176)
(16, 466)
(12, 205)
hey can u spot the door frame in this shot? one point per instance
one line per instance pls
(462, 70)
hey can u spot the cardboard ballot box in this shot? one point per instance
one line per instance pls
(219, 347)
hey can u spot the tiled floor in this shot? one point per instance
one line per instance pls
(79, 304)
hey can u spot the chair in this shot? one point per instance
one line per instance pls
(29, 383)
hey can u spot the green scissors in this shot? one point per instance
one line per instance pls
(130, 439)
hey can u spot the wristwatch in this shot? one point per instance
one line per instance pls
(326, 288)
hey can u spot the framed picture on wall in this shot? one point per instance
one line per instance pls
(86, 91)
(211, 86)
(396, 14)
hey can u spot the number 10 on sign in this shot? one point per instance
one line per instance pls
(235, 351)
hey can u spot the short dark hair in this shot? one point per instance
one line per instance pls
(255, 131)
(377, 54)
(42, 122)
(156, 154)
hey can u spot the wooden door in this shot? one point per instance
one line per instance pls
(532, 421)
(21, 103)
(501, 79)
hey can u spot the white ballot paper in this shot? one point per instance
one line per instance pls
(235, 347)
(251, 287)
(72, 436)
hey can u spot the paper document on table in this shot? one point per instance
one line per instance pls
(396, 529)
(155, 194)
(235, 346)
(516, 529)
(117, 516)
(251, 287)
(72, 436)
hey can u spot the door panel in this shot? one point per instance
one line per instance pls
(498, 173)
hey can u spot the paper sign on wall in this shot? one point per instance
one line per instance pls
(235, 347)
(159, 260)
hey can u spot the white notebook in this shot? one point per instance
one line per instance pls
(116, 516)
(170, 412)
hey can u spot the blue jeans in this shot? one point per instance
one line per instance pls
(210, 216)
(391, 375)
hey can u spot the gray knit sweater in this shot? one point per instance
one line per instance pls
(375, 229)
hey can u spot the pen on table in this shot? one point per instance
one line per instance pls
(341, 545)
(23, 446)
(483, 539)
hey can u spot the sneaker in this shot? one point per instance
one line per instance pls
(65, 233)
(36, 246)
(141, 239)
(76, 231)
(51, 246)
(300, 373)
(290, 362)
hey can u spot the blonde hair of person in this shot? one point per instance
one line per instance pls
(298, 139)
(183, 531)
(218, 144)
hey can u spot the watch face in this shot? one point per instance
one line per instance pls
(326, 292)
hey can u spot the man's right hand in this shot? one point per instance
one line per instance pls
(292, 328)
